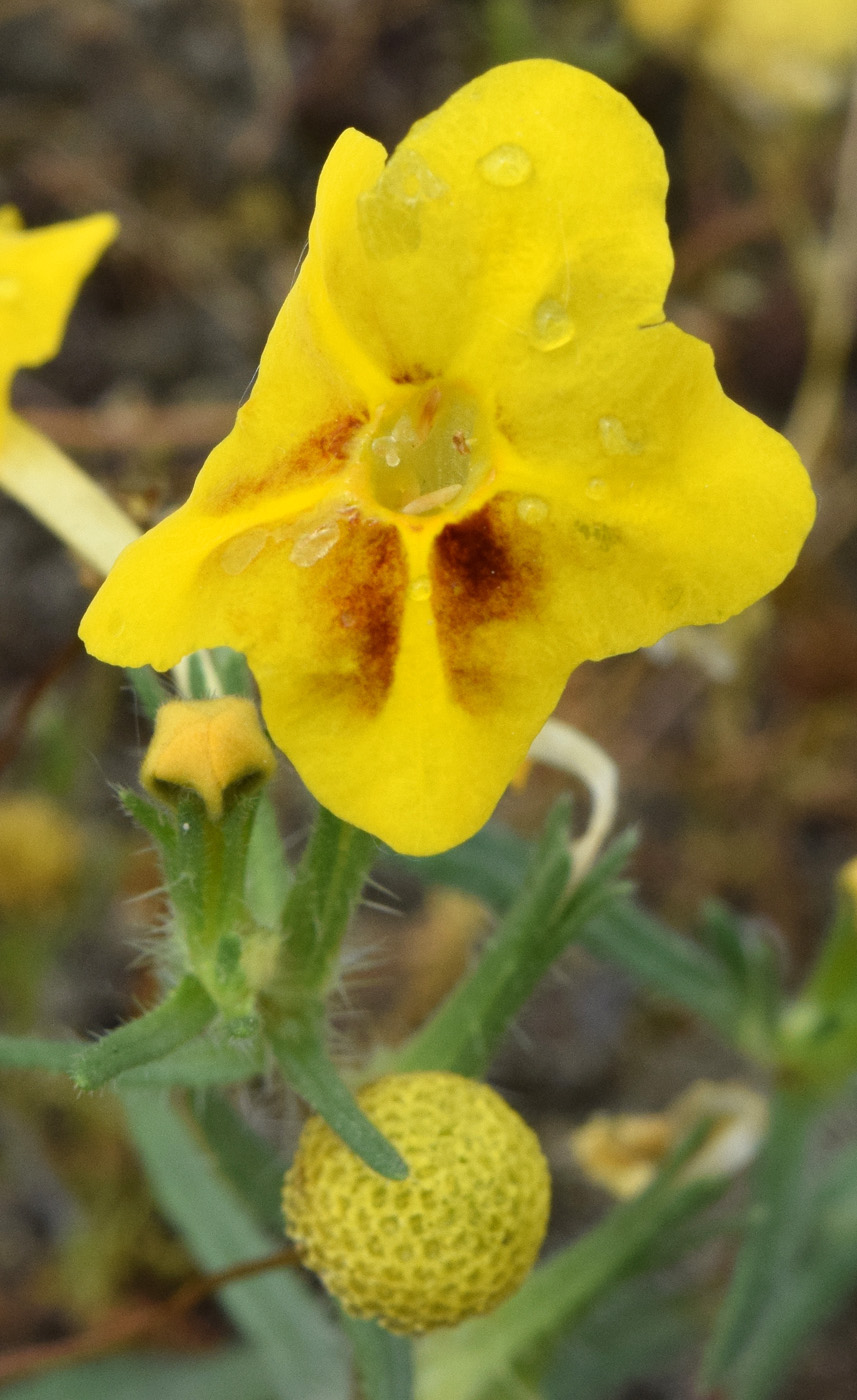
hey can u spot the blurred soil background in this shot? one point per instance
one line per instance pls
(203, 124)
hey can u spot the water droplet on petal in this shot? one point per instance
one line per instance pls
(615, 439)
(10, 290)
(239, 553)
(433, 500)
(532, 510)
(596, 488)
(420, 589)
(309, 548)
(552, 325)
(389, 216)
(506, 165)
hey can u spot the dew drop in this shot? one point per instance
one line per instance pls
(433, 500)
(420, 589)
(532, 510)
(10, 290)
(552, 325)
(239, 553)
(596, 488)
(615, 439)
(506, 166)
(315, 544)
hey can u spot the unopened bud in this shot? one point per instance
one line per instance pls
(210, 747)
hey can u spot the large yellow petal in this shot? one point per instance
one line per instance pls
(534, 194)
(40, 273)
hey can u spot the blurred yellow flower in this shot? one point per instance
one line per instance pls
(41, 853)
(40, 274)
(780, 53)
(623, 1152)
(475, 456)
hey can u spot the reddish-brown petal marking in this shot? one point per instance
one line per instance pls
(486, 569)
(362, 585)
(415, 375)
(321, 454)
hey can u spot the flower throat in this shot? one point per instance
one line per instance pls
(428, 452)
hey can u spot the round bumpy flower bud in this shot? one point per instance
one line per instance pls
(207, 747)
(452, 1240)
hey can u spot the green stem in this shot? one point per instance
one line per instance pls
(327, 887)
(25, 1052)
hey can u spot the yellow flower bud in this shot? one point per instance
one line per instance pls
(623, 1151)
(41, 849)
(207, 747)
(451, 1241)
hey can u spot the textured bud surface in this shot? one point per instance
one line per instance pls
(455, 1238)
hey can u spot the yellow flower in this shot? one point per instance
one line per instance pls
(207, 747)
(781, 53)
(451, 1241)
(40, 273)
(41, 853)
(475, 456)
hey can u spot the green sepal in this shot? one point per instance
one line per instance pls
(269, 877)
(300, 1052)
(182, 1015)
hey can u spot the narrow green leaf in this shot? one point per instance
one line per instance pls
(775, 1226)
(25, 1052)
(207, 1060)
(326, 888)
(232, 671)
(475, 1360)
(250, 1164)
(667, 963)
(182, 1015)
(236, 1371)
(303, 1353)
(806, 1295)
(464, 1032)
(307, 1067)
(384, 1362)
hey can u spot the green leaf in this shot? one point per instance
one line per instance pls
(236, 1371)
(26, 1052)
(384, 1362)
(185, 1012)
(208, 1060)
(232, 671)
(307, 1067)
(805, 1296)
(667, 963)
(328, 884)
(250, 1164)
(463, 1034)
(775, 1225)
(301, 1350)
(477, 1359)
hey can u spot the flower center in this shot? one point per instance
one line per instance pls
(429, 451)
